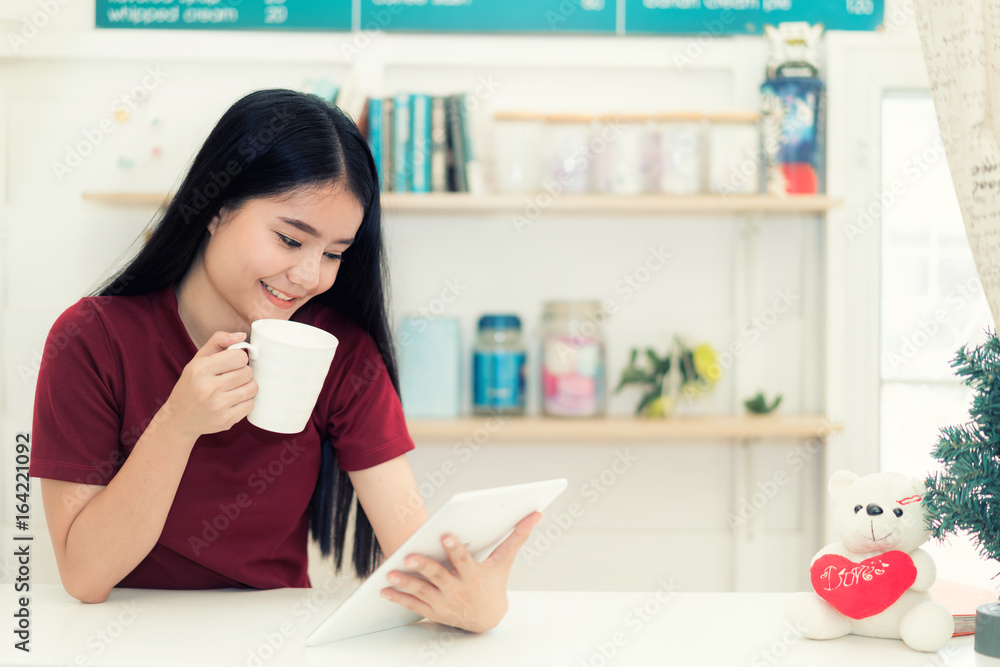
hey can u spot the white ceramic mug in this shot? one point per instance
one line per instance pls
(290, 361)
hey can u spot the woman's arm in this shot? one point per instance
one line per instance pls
(101, 533)
(389, 495)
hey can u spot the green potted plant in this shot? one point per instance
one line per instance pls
(964, 496)
(682, 371)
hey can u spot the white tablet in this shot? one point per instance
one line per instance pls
(480, 519)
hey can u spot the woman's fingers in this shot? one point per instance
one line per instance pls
(460, 557)
(232, 379)
(432, 571)
(507, 550)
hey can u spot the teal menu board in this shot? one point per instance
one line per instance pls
(325, 15)
(493, 16)
(641, 17)
(728, 17)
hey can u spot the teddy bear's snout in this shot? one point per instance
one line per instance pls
(873, 509)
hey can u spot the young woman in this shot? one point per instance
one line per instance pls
(151, 476)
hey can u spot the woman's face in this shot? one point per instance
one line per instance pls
(268, 258)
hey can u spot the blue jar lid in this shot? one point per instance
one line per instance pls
(499, 322)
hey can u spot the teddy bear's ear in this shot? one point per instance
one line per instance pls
(920, 484)
(839, 482)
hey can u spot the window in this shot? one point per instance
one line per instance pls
(932, 303)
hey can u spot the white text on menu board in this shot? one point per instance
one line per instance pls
(205, 12)
(705, 4)
(422, 3)
(856, 7)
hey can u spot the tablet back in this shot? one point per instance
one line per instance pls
(481, 519)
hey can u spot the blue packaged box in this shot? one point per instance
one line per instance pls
(430, 370)
(792, 128)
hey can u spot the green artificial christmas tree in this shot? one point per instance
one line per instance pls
(963, 497)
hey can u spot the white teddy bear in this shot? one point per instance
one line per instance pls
(874, 583)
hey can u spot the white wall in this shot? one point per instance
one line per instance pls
(663, 519)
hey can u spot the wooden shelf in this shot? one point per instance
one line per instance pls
(129, 198)
(620, 429)
(603, 204)
(451, 202)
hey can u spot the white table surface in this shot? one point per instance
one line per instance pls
(268, 628)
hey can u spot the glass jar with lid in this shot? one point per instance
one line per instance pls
(619, 142)
(566, 156)
(573, 354)
(498, 366)
(518, 137)
(734, 155)
(679, 139)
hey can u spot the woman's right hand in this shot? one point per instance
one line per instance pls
(215, 390)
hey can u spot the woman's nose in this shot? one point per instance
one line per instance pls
(306, 273)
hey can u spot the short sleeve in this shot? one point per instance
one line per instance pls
(76, 424)
(367, 426)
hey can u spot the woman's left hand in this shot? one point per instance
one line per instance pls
(472, 595)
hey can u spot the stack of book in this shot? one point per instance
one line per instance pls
(962, 600)
(423, 143)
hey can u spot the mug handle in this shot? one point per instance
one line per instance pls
(249, 347)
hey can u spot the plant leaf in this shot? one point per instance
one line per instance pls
(650, 396)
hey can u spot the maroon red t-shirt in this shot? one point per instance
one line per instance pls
(240, 515)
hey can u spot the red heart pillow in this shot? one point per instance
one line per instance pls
(860, 590)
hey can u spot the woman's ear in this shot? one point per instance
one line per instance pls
(216, 220)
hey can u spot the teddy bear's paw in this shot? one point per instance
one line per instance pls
(814, 618)
(927, 627)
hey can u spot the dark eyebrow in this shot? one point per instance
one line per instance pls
(309, 229)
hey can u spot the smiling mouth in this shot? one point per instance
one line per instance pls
(879, 539)
(277, 294)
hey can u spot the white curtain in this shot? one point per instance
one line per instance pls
(961, 46)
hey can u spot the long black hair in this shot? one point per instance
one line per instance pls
(269, 143)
